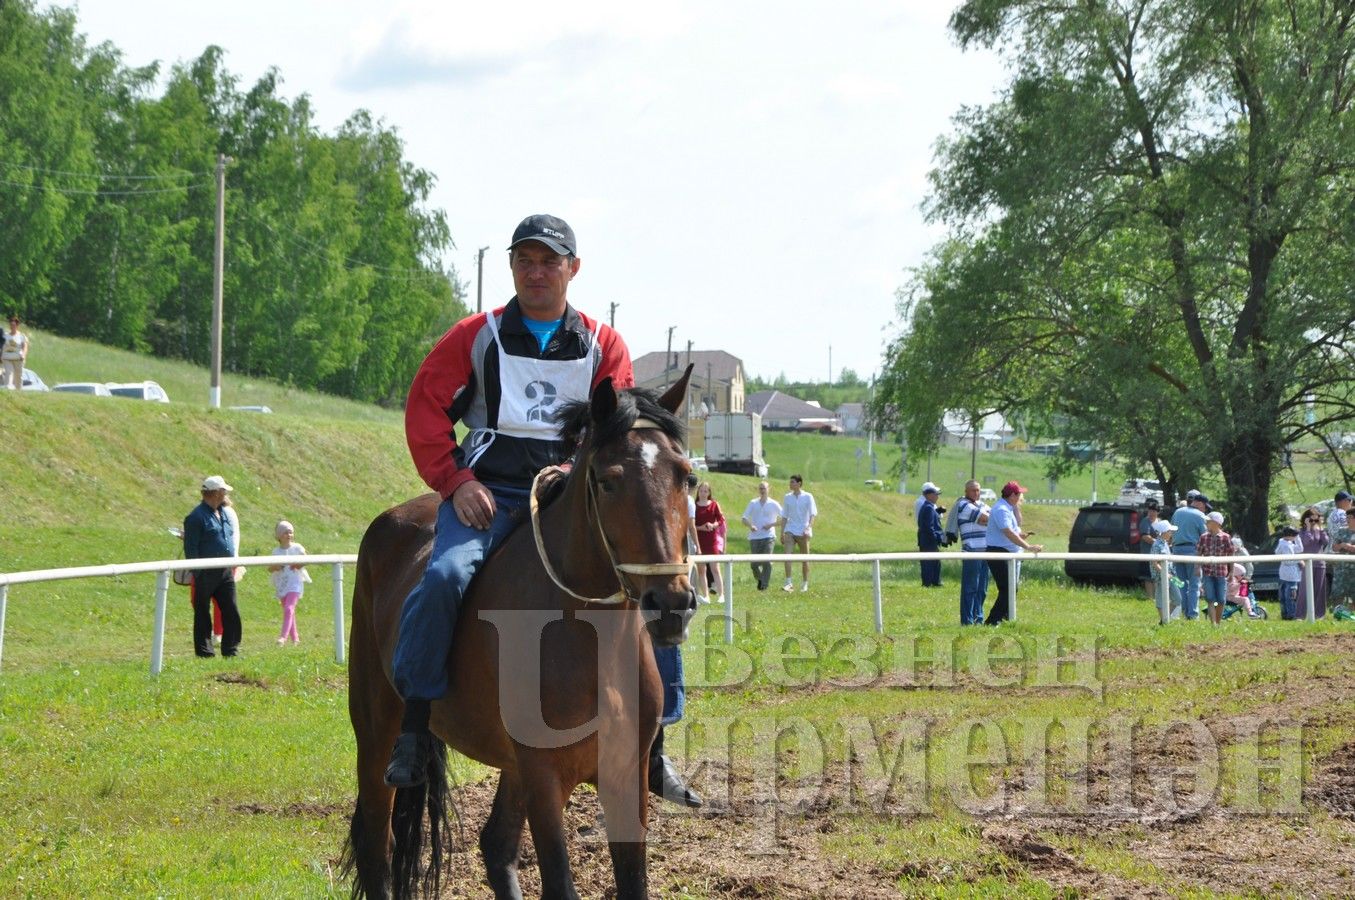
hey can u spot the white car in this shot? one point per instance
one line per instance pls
(987, 495)
(253, 409)
(32, 381)
(1138, 491)
(139, 390)
(84, 387)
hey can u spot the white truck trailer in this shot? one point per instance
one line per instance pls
(734, 443)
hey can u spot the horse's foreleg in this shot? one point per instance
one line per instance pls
(625, 802)
(544, 795)
(501, 838)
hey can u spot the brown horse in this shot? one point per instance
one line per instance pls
(552, 674)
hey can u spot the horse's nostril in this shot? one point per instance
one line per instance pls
(649, 601)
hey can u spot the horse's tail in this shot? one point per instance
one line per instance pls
(421, 822)
(368, 881)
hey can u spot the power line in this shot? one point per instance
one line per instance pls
(52, 189)
(104, 176)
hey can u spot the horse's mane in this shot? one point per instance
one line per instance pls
(576, 419)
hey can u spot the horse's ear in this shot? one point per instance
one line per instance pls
(602, 406)
(673, 397)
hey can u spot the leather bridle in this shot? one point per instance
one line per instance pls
(621, 569)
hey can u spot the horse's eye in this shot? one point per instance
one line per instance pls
(607, 485)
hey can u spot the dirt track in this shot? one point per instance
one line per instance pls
(744, 850)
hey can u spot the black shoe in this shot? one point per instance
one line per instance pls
(204, 655)
(409, 760)
(664, 781)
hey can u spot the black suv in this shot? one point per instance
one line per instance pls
(1105, 528)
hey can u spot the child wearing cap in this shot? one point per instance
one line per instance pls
(1290, 572)
(1214, 576)
(1162, 530)
(289, 580)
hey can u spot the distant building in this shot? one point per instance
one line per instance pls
(994, 432)
(853, 417)
(782, 412)
(717, 383)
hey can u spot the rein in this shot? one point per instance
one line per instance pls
(618, 567)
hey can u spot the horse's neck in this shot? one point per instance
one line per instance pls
(573, 539)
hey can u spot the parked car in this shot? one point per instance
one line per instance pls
(255, 409)
(33, 382)
(139, 390)
(1265, 577)
(84, 387)
(987, 495)
(1104, 528)
(1138, 491)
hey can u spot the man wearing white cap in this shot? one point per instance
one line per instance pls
(1162, 532)
(929, 534)
(207, 534)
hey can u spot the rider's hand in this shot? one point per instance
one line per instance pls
(474, 505)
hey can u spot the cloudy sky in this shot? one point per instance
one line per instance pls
(748, 173)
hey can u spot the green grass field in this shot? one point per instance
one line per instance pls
(927, 761)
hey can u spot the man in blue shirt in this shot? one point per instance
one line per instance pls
(207, 535)
(1004, 535)
(1190, 523)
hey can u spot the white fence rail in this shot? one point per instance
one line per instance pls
(163, 567)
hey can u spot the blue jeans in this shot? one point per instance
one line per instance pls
(431, 609)
(1215, 589)
(1288, 599)
(1190, 574)
(973, 590)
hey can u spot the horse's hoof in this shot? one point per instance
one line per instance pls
(409, 760)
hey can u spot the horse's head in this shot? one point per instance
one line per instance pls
(631, 450)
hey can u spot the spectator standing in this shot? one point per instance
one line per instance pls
(929, 535)
(1190, 525)
(710, 534)
(1313, 538)
(207, 535)
(289, 579)
(14, 356)
(798, 512)
(971, 520)
(694, 542)
(1290, 572)
(927, 488)
(760, 518)
(1003, 535)
(1337, 518)
(1161, 546)
(1214, 576)
(1147, 537)
(1343, 573)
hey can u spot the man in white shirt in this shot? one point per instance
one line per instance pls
(1336, 519)
(798, 512)
(760, 519)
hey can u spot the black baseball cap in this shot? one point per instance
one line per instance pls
(552, 231)
(1343, 495)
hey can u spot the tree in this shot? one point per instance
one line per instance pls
(1152, 234)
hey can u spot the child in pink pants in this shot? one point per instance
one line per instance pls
(289, 581)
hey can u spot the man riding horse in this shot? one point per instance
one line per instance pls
(503, 374)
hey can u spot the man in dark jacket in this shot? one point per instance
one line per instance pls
(929, 534)
(207, 535)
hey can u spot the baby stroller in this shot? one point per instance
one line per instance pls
(1240, 597)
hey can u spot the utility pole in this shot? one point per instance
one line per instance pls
(689, 353)
(479, 278)
(830, 363)
(218, 281)
(669, 364)
(611, 315)
(973, 448)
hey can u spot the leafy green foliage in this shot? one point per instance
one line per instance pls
(1151, 238)
(333, 274)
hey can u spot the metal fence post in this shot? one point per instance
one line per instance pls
(1012, 571)
(879, 599)
(338, 613)
(1311, 615)
(1164, 603)
(158, 632)
(729, 603)
(4, 602)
